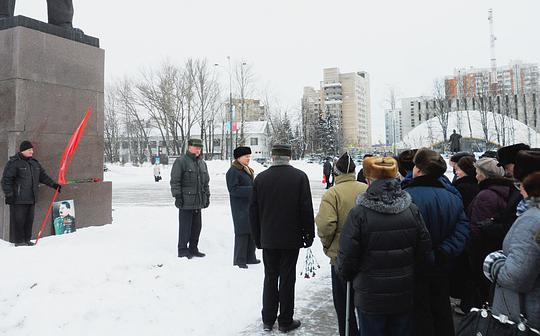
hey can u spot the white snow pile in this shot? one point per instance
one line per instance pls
(430, 131)
(126, 278)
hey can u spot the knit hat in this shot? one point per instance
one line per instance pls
(195, 142)
(430, 162)
(379, 168)
(241, 151)
(531, 184)
(281, 150)
(466, 164)
(345, 164)
(456, 157)
(506, 155)
(25, 145)
(526, 162)
(405, 161)
(489, 168)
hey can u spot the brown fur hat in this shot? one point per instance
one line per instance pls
(380, 168)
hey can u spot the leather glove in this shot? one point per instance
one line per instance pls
(307, 240)
(57, 186)
(9, 200)
(178, 202)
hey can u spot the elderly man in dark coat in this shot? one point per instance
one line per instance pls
(281, 219)
(240, 183)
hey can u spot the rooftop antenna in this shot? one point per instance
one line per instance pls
(492, 39)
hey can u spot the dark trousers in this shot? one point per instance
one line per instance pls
(189, 230)
(385, 325)
(339, 293)
(244, 249)
(279, 281)
(22, 219)
(329, 183)
(60, 12)
(432, 312)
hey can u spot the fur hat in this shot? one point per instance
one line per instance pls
(281, 150)
(489, 154)
(489, 168)
(241, 151)
(379, 168)
(430, 162)
(526, 162)
(195, 142)
(345, 164)
(466, 164)
(506, 155)
(25, 145)
(405, 161)
(456, 157)
(531, 184)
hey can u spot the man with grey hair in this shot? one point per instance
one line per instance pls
(281, 220)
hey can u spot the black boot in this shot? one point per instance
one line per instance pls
(184, 253)
(295, 324)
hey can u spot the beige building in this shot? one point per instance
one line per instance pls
(253, 110)
(346, 95)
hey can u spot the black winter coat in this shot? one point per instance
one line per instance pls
(281, 209)
(327, 168)
(21, 179)
(468, 188)
(189, 182)
(240, 184)
(383, 240)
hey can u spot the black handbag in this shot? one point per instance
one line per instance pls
(482, 322)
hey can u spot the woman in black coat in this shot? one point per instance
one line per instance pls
(466, 182)
(240, 183)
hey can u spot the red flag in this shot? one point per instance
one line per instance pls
(65, 162)
(72, 147)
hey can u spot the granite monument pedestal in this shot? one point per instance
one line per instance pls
(49, 76)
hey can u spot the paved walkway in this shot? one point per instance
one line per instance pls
(316, 311)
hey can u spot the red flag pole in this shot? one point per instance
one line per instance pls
(65, 162)
(47, 216)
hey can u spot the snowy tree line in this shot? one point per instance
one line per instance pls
(177, 101)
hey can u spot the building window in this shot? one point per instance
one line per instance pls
(254, 141)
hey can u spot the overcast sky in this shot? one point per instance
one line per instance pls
(405, 44)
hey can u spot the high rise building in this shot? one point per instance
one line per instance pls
(346, 96)
(393, 126)
(516, 78)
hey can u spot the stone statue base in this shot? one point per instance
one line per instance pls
(47, 81)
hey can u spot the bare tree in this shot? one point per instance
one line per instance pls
(138, 126)
(244, 79)
(207, 94)
(441, 108)
(111, 126)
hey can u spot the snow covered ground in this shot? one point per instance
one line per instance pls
(125, 278)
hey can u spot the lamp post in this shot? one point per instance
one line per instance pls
(229, 140)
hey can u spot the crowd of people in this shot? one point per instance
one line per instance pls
(407, 237)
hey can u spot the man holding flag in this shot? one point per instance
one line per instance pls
(20, 181)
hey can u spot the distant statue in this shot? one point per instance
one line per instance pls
(60, 12)
(455, 142)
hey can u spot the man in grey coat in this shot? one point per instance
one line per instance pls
(189, 187)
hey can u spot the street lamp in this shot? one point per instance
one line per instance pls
(229, 140)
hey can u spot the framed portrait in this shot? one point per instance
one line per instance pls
(63, 216)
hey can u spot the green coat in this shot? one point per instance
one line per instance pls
(334, 209)
(189, 182)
